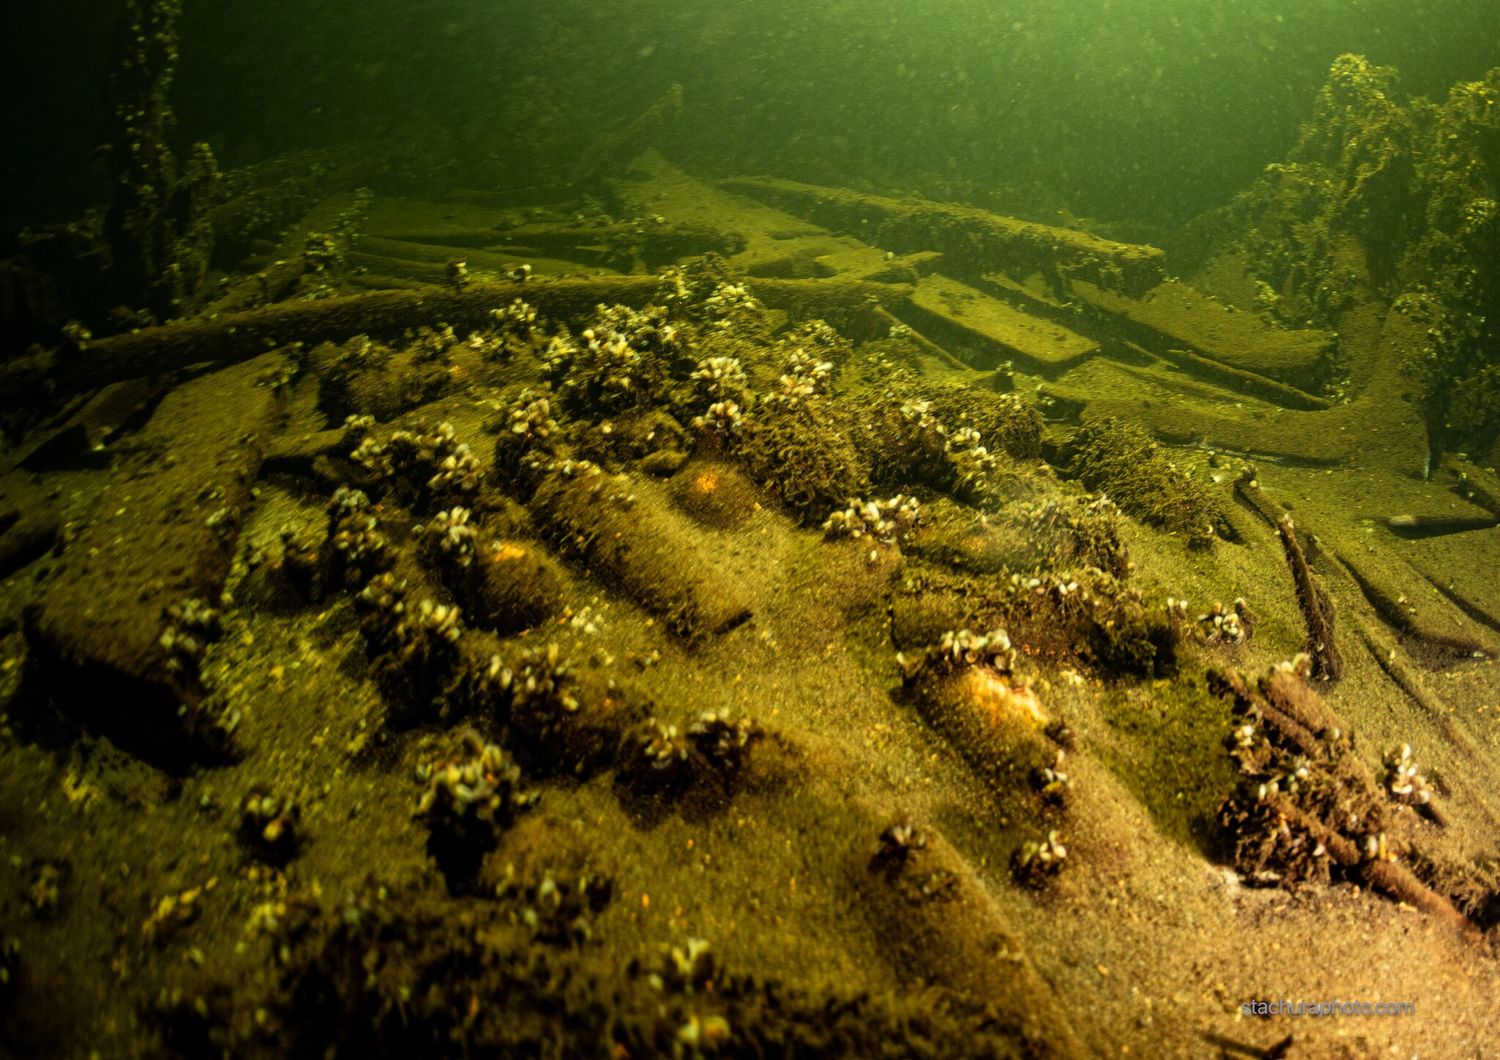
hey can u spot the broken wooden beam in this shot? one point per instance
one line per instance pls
(1174, 318)
(238, 336)
(967, 318)
(974, 240)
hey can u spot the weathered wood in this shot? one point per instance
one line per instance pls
(1243, 382)
(886, 319)
(969, 238)
(1173, 316)
(279, 277)
(237, 336)
(1315, 604)
(655, 242)
(945, 306)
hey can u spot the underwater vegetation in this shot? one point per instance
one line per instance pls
(1394, 198)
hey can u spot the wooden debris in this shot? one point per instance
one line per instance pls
(973, 240)
(976, 320)
(1316, 606)
(85, 433)
(237, 336)
(1174, 316)
(279, 278)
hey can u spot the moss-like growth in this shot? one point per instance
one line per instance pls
(803, 459)
(364, 377)
(1385, 197)
(1122, 460)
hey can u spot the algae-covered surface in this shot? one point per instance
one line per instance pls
(653, 614)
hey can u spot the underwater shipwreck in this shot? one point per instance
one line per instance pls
(738, 617)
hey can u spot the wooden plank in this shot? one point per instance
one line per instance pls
(1173, 315)
(237, 336)
(960, 316)
(972, 240)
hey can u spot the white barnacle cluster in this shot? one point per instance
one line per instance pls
(458, 471)
(1247, 747)
(1403, 779)
(720, 379)
(1041, 857)
(356, 532)
(441, 622)
(972, 459)
(729, 299)
(361, 351)
(674, 291)
(529, 418)
(1221, 625)
(1299, 665)
(436, 457)
(647, 330)
(964, 647)
(543, 678)
(805, 377)
(515, 321)
(580, 469)
(1288, 779)
(357, 428)
(77, 334)
(1377, 848)
(1052, 782)
(883, 521)
(270, 818)
(560, 352)
(1056, 586)
(662, 746)
(615, 367)
(222, 520)
(1479, 214)
(485, 784)
(383, 593)
(968, 439)
(722, 419)
(432, 344)
(452, 536)
(1062, 589)
(358, 538)
(490, 345)
(191, 624)
(374, 456)
(1101, 505)
(931, 433)
(721, 739)
(431, 447)
(491, 681)
(685, 970)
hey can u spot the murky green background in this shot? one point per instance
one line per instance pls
(1148, 110)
